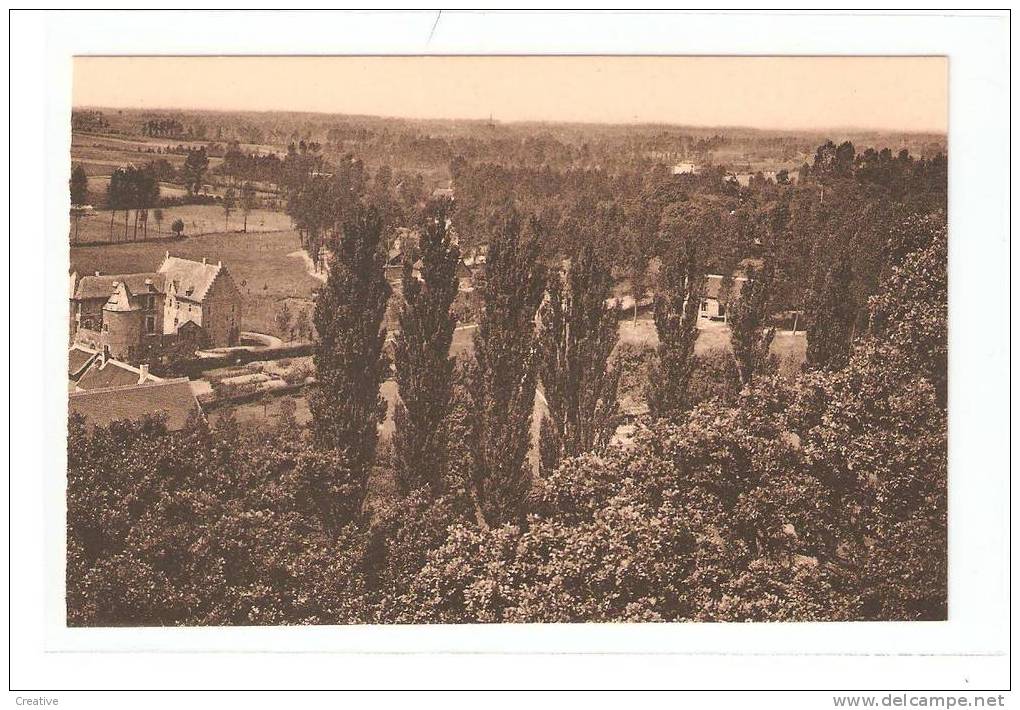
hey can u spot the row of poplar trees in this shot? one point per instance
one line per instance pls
(545, 331)
(567, 352)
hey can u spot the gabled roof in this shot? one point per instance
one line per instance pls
(79, 358)
(191, 279)
(113, 374)
(713, 285)
(120, 300)
(101, 407)
(89, 287)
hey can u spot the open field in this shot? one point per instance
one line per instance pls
(257, 261)
(101, 141)
(99, 184)
(108, 150)
(105, 161)
(134, 142)
(198, 220)
(788, 348)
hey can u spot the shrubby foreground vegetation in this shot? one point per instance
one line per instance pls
(742, 496)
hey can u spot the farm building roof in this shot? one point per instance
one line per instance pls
(714, 285)
(172, 398)
(78, 358)
(113, 373)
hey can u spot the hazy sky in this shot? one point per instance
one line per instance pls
(896, 93)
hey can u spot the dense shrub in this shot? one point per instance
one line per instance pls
(715, 377)
(208, 527)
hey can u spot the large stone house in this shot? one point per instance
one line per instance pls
(130, 316)
(203, 294)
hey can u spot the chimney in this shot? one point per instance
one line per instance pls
(203, 261)
(167, 255)
(143, 370)
(106, 355)
(98, 274)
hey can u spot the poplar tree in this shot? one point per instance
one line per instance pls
(248, 202)
(750, 333)
(229, 202)
(349, 361)
(79, 187)
(424, 368)
(194, 168)
(830, 318)
(502, 376)
(577, 331)
(677, 306)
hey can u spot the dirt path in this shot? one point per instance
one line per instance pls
(309, 266)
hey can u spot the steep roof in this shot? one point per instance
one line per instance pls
(89, 287)
(101, 407)
(113, 374)
(714, 282)
(78, 358)
(192, 279)
(120, 300)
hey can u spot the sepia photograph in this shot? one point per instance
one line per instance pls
(511, 355)
(495, 350)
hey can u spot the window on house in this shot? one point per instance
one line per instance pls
(150, 302)
(704, 305)
(150, 325)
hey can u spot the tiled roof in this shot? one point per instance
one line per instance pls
(113, 374)
(101, 407)
(102, 286)
(120, 300)
(78, 358)
(713, 286)
(192, 278)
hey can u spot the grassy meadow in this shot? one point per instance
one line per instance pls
(198, 220)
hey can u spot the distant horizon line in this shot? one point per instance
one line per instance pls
(565, 122)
